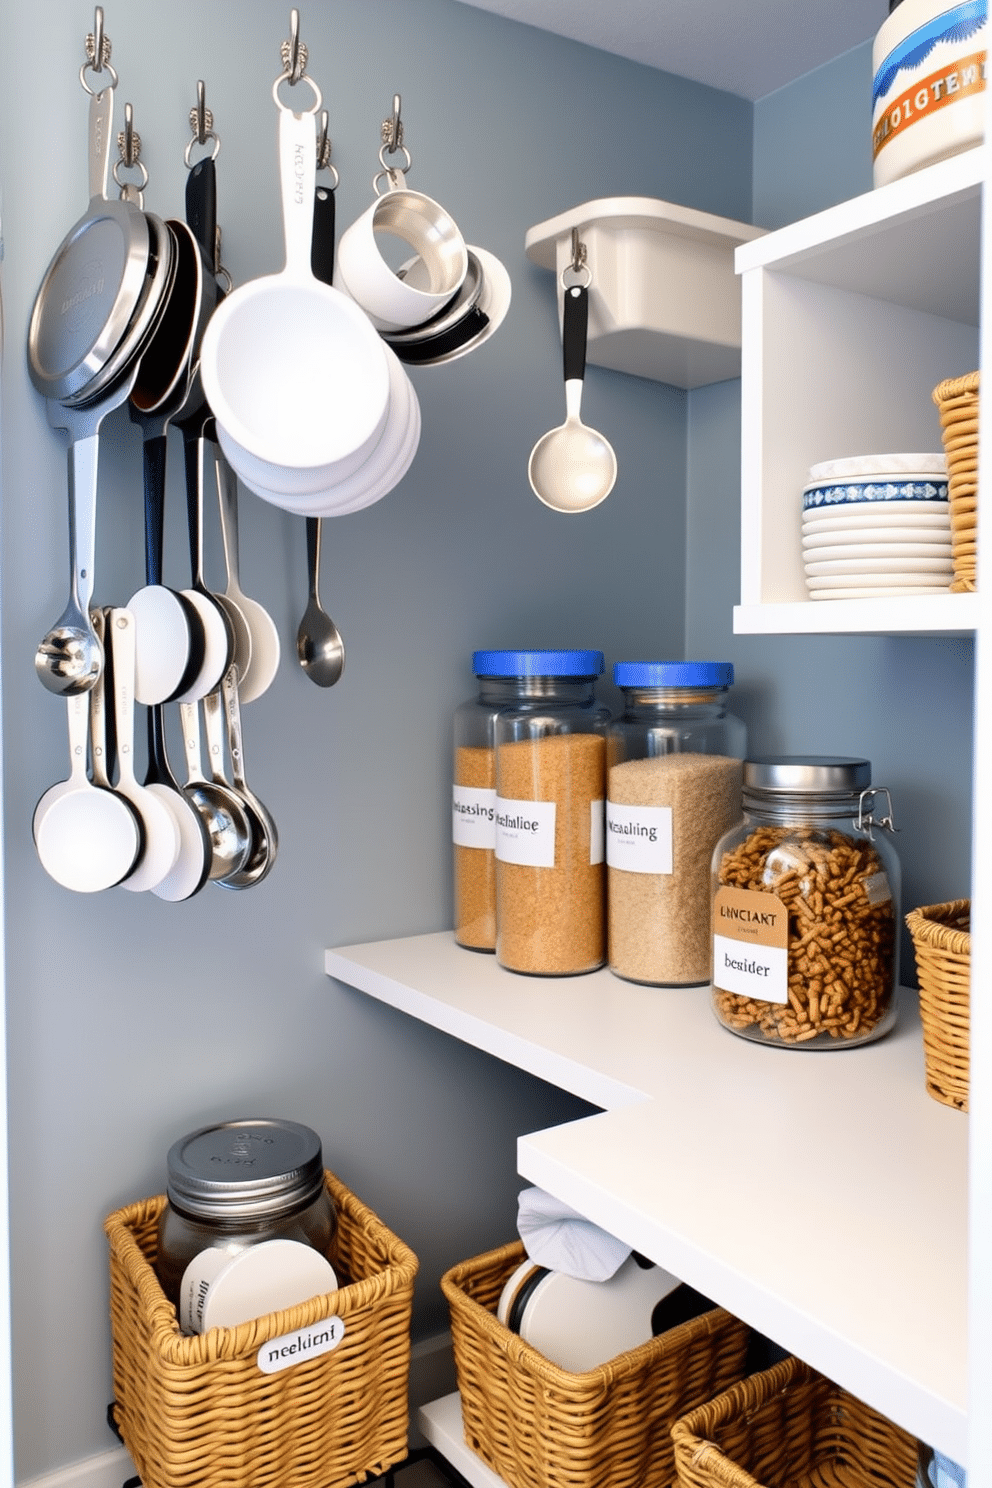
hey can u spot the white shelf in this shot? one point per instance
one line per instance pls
(932, 614)
(664, 301)
(821, 1197)
(440, 1423)
(850, 318)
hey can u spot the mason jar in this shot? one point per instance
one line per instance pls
(236, 1184)
(673, 788)
(806, 906)
(550, 793)
(473, 795)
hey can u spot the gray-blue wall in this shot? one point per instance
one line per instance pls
(132, 1021)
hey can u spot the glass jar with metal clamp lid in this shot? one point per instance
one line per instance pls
(806, 906)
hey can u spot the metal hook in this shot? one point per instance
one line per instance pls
(129, 140)
(97, 44)
(392, 129)
(578, 252)
(200, 118)
(324, 152)
(293, 52)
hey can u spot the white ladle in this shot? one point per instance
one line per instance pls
(573, 468)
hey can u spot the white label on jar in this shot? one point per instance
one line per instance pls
(195, 1285)
(757, 971)
(525, 832)
(294, 1348)
(473, 817)
(639, 838)
(596, 826)
(877, 888)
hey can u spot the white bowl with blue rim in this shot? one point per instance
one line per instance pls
(881, 486)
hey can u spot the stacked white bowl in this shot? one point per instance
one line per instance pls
(877, 526)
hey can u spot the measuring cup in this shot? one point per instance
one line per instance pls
(292, 368)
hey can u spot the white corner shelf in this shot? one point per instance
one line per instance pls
(664, 301)
(822, 1197)
(850, 319)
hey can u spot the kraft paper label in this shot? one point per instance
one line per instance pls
(750, 944)
(639, 838)
(294, 1348)
(473, 817)
(525, 832)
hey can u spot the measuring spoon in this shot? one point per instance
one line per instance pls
(264, 652)
(573, 468)
(69, 657)
(319, 644)
(222, 812)
(219, 708)
(161, 847)
(191, 869)
(87, 839)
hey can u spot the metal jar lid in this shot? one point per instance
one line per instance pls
(254, 1169)
(814, 774)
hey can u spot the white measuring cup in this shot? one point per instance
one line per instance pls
(292, 368)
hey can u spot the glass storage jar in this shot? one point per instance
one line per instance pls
(236, 1184)
(806, 906)
(673, 789)
(550, 789)
(473, 795)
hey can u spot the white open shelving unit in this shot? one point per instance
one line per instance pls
(850, 318)
(772, 1182)
(827, 1201)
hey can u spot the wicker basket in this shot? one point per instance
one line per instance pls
(957, 402)
(535, 1424)
(790, 1426)
(199, 1411)
(942, 942)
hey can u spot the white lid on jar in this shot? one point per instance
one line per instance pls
(220, 1290)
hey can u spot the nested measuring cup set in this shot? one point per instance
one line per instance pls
(314, 408)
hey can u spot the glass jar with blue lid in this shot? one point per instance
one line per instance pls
(550, 744)
(673, 788)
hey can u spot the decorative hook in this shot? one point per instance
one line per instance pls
(324, 151)
(578, 252)
(129, 140)
(293, 52)
(98, 43)
(201, 123)
(97, 49)
(392, 129)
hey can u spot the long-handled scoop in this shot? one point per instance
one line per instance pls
(319, 644)
(573, 468)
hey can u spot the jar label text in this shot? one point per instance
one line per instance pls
(473, 817)
(525, 832)
(750, 944)
(639, 838)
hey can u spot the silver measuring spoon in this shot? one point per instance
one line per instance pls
(69, 657)
(265, 843)
(573, 468)
(223, 813)
(319, 644)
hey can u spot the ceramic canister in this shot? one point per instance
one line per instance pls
(928, 93)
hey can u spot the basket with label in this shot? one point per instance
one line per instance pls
(942, 943)
(957, 403)
(534, 1423)
(789, 1424)
(310, 1397)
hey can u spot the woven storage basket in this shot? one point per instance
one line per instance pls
(788, 1427)
(535, 1424)
(199, 1411)
(942, 942)
(957, 403)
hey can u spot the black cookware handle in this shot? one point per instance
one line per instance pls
(322, 239)
(154, 475)
(201, 207)
(575, 326)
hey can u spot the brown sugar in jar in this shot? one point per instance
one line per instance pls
(550, 794)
